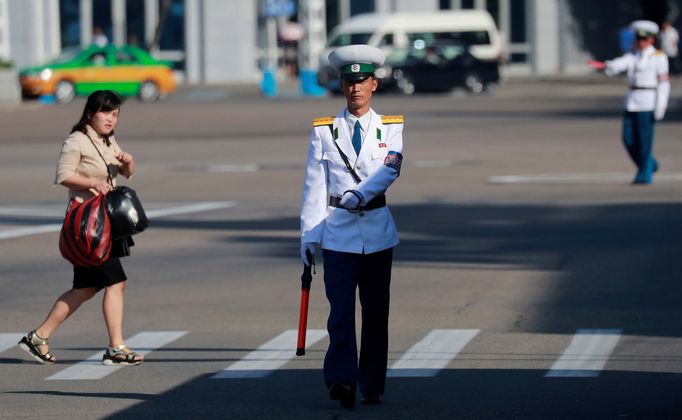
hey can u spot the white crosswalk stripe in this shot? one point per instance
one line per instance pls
(9, 340)
(586, 355)
(431, 354)
(270, 356)
(92, 368)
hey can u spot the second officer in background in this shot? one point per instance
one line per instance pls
(647, 98)
(353, 158)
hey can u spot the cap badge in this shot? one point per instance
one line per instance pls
(355, 68)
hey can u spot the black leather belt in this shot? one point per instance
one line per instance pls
(377, 202)
(642, 88)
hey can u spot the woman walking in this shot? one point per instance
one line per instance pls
(89, 161)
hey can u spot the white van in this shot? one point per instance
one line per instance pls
(475, 28)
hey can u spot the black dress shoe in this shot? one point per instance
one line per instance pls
(371, 399)
(344, 394)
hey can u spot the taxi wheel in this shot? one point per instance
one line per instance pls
(64, 92)
(149, 92)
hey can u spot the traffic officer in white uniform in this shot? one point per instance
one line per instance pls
(647, 99)
(353, 158)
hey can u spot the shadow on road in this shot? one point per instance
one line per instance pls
(479, 393)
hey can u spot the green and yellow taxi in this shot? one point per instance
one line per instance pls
(127, 70)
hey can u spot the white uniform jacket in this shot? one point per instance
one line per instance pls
(647, 72)
(378, 165)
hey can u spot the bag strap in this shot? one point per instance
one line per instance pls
(354, 174)
(106, 165)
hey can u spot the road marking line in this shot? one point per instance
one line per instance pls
(430, 355)
(92, 368)
(32, 230)
(270, 356)
(190, 208)
(587, 354)
(9, 340)
(577, 178)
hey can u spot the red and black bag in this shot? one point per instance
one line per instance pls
(85, 239)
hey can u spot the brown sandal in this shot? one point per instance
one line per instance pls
(30, 344)
(121, 355)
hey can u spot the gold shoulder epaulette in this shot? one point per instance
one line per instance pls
(323, 121)
(392, 119)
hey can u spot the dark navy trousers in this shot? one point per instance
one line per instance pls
(638, 138)
(371, 274)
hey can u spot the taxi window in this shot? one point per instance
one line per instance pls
(97, 59)
(341, 40)
(124, 57)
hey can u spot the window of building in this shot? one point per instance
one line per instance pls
(135, 25)
(493, 7)
(468, 4)
(361, 6)
(173, 21)
(69, 23)
(519, 35)
(102, 30)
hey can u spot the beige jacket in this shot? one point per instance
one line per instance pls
(79, 157)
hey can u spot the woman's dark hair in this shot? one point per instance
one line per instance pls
(99, 100)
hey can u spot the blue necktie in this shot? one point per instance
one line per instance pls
(357, 137)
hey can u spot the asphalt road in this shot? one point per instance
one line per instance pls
(530, 271)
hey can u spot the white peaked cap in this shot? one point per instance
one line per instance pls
(644, 27)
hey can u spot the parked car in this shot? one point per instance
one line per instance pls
(126, 70)
(436, 67)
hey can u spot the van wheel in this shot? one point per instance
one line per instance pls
(64, 92)
(406, 86)
(149, 92)
(474, 83)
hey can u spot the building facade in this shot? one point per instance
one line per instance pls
(231, 41)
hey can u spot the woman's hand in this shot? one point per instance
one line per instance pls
(102, 187)
(124, 158)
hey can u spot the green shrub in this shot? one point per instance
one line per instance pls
(5, 64)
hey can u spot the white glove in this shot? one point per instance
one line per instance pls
(662, 95)
(307, 246)
(350, 200)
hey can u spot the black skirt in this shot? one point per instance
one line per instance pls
(107, 274)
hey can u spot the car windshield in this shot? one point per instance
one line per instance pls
(67, 55)
(443, 52)
(341, 40)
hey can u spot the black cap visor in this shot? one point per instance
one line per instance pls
(356, 77)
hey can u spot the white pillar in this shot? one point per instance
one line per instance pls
(193, 41)
(344, 10)
(312, 17)
(544, 37)
(37, 12)
(5, 51)
(384, 6)
(118, 21)
(53, 37)
(151, 18)
(86, 22)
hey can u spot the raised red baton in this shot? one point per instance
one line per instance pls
(306, 280)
